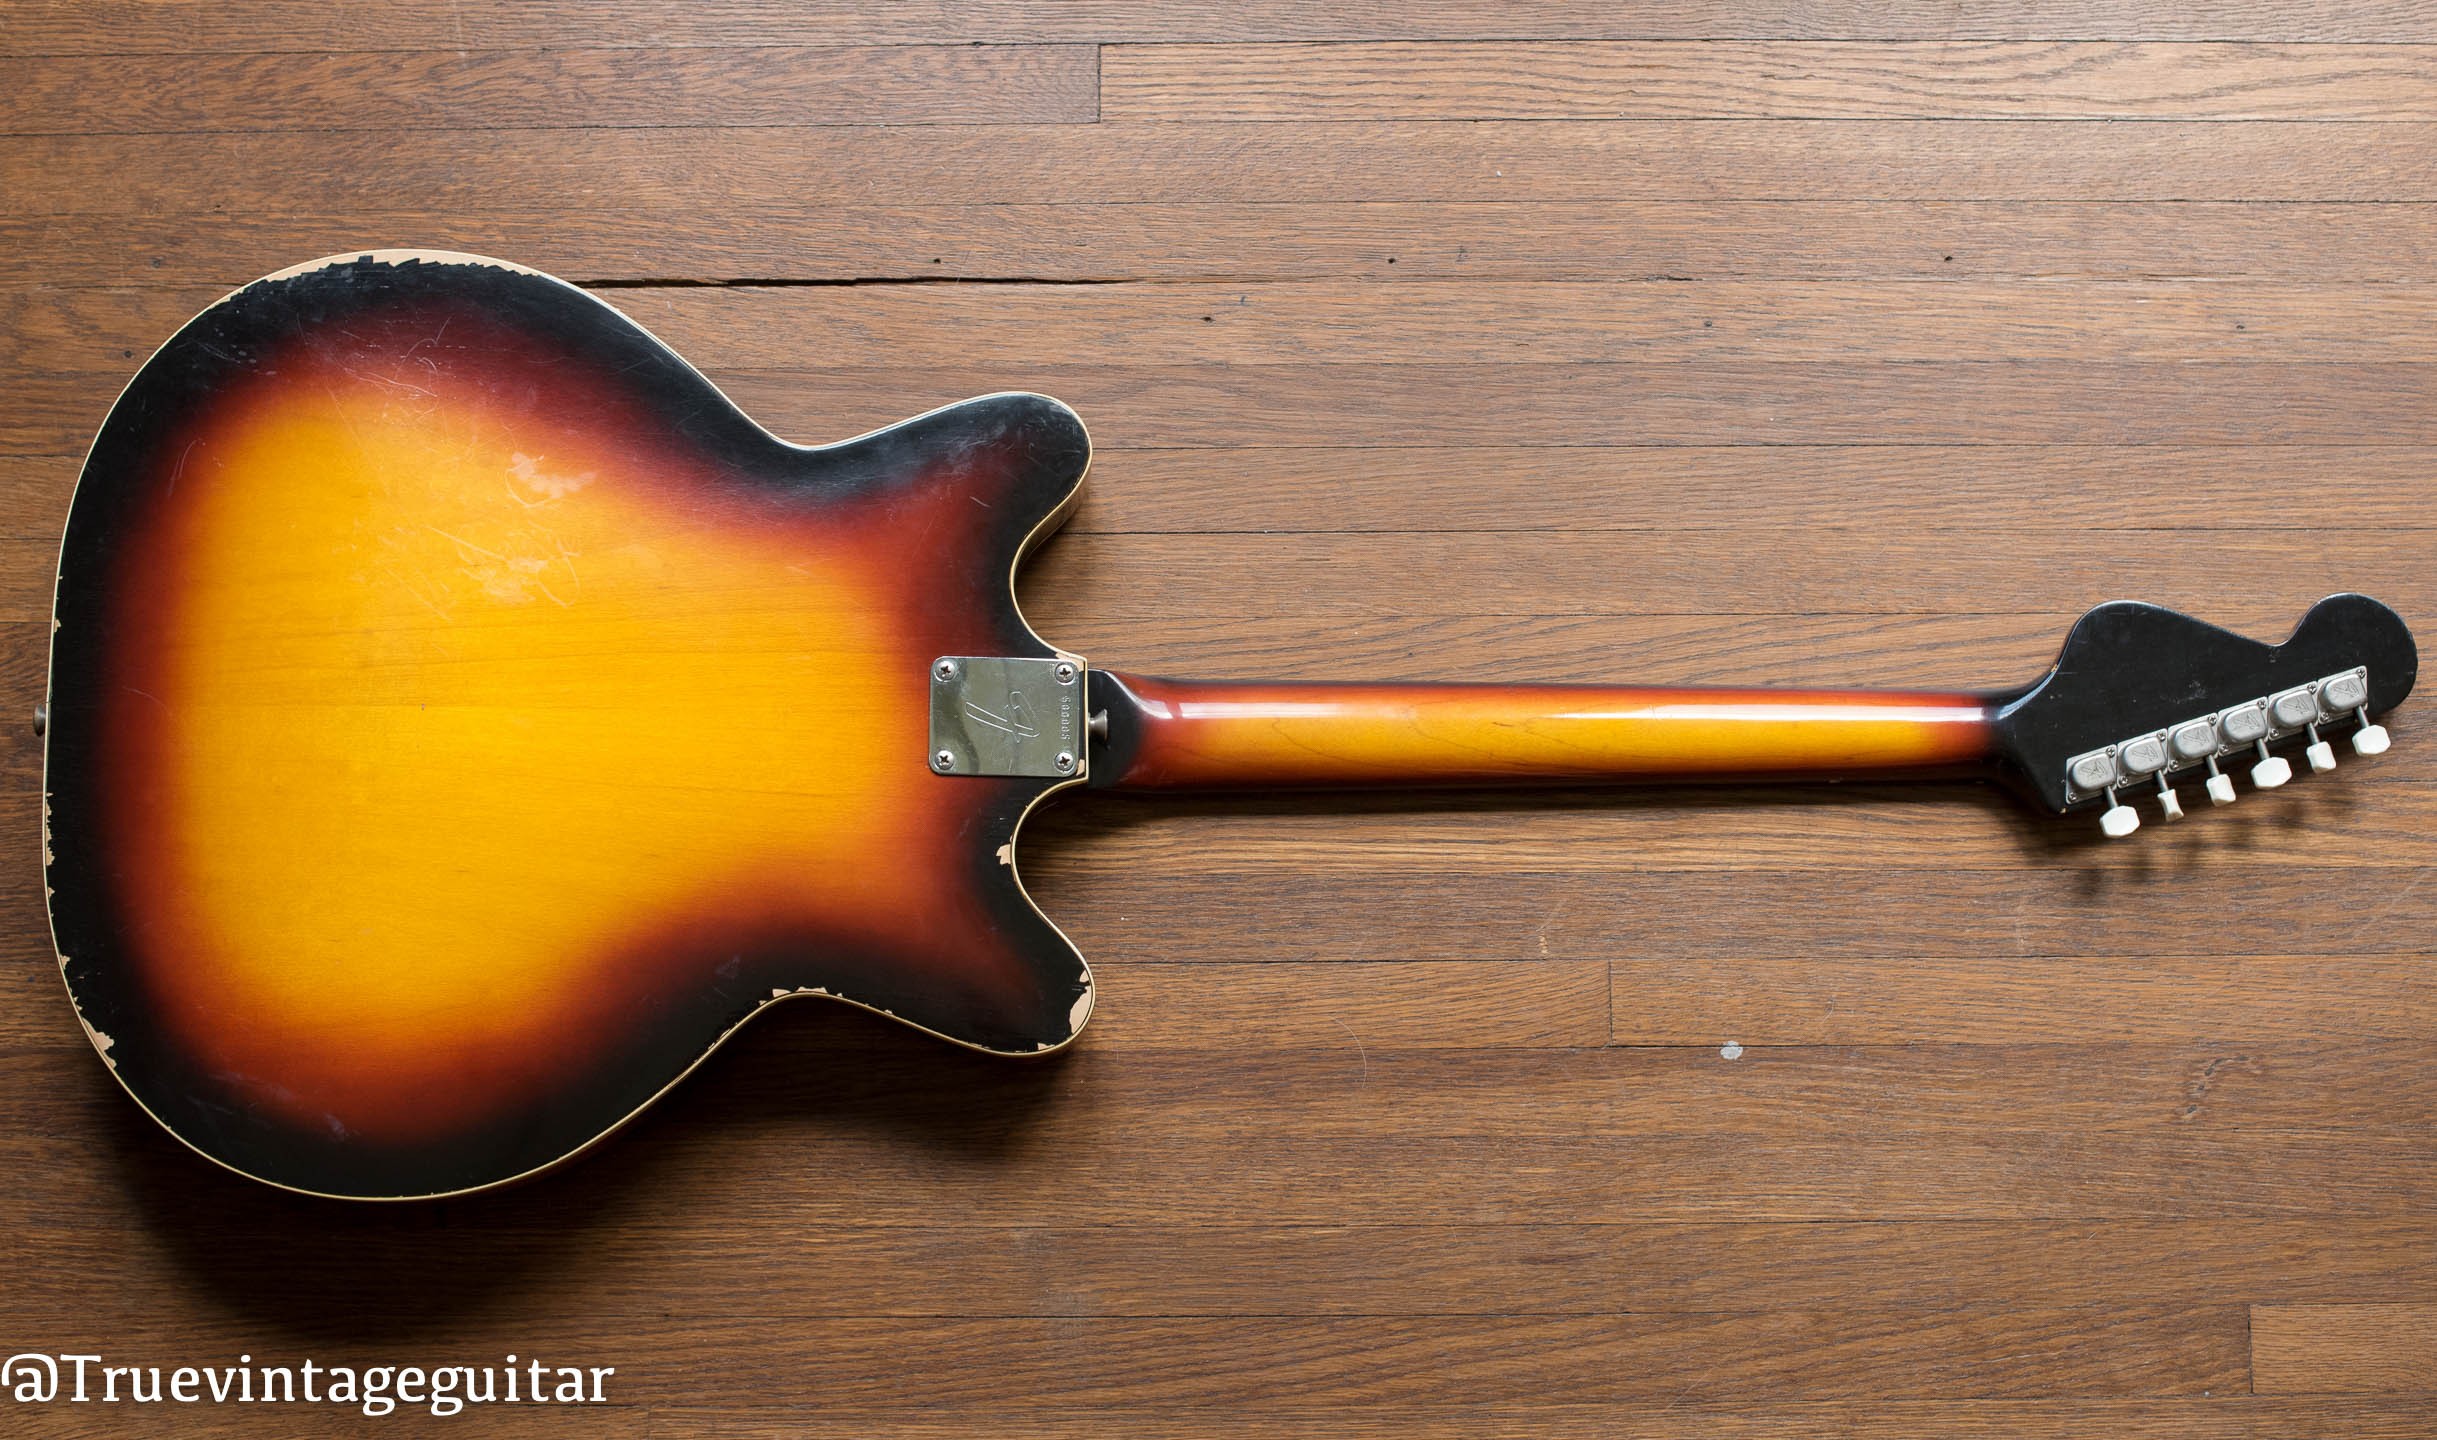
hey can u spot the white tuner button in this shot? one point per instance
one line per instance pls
(2370, 740)
(2271, 772)
(2221, 789)
(2119, 821)
(2170, 806)
(2322, 757)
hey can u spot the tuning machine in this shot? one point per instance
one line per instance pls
(2207, 741)
(2351, 693)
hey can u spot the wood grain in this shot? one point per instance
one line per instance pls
(123, 26)
(2383, 827)
(689, 169)
(1419, 323)
(1706, 572)
(1709, 79)
(1780, 1001)
(1881, 341)
(460, 89)
(1275, 240)
(1385, 1268)
(2297, 1349)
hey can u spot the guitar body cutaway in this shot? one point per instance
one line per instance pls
(462, 717)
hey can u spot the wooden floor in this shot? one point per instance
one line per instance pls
(1863, 342)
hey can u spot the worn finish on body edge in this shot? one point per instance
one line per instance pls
(462, 716)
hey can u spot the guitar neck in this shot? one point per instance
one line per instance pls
(1171, 734)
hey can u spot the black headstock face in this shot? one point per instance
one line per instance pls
(2143, 700)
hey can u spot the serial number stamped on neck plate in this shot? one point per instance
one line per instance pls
(993, 715)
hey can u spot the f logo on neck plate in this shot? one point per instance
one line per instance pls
(992, 715)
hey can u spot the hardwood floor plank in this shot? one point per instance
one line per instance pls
(1145, 1004)
(1372, 240)
(1751, 489)
(2299, 1349)
(1726, 79)
(1722, 572)
(691, 1266)
(464, 89)
(2138, 1000)
(132, 26)
(1678, 938)
(687, 170)
(1411, 842)
(1422, 323)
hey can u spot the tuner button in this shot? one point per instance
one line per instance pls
(2243, 724)
(2169, 805)
(2094, 771)
(2119, 821)
(2294, 708)
(2271, 772)
(2193, 739)
(2322, 757)
(2221, 789)
(2340, 693)
(2143, 756)
(2370, 740)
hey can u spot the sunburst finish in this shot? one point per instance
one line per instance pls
(462, 717)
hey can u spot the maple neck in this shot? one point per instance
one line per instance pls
(1171, 734)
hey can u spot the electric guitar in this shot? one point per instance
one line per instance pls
(462, 717)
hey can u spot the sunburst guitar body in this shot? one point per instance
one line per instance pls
(462, 717)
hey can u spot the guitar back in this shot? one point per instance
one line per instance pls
(462, 717)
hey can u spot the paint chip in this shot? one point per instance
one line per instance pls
(1730, 1051)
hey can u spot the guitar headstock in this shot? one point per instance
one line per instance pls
(2144, 700)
